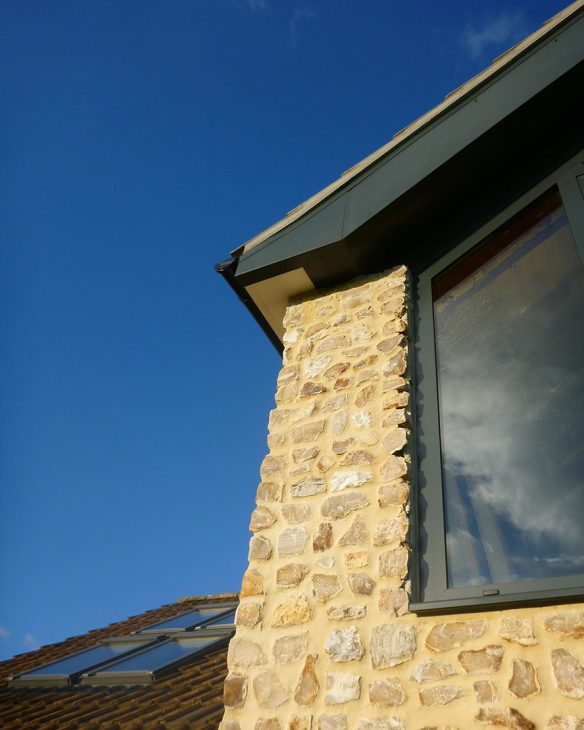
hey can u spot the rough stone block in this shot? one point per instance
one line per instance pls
(323, 537)
(568, 673)
(294, 610)
(394, 563)
(308, 685)
(340, 505)
(344, 645)
(391, 531)
(261, 519)
(260, 548)
(234, 690)
(523, 682)
(567, 625)
(394, 601)
(290, 648)
(269, 691)
(485, 691)
(248, 614)
(357, 534)
(517, 630)
(452, 634)
(361, 584)
(252, 583)
(245, 653)
(392, 644)
(326, 586)
(292, 541)
(291, 575)
(387, 693)
(482, 661)
(341, 688)
(442, 694)
(308, 487)
(508, 718)
(296, 513)
(346, 613)
(431, 671)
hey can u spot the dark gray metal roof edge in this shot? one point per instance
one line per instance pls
(346, 186)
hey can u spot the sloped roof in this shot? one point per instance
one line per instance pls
(394, 206)
(188, 698)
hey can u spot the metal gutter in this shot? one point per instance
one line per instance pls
(227, 270)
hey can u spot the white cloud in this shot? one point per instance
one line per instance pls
(4, 633)
(303, 12)
(254, 5)
(494, 33)
(30, 643)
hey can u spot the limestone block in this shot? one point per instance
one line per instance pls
(332, 722)
(278, 418)
(508, 718)
(317, 331)
(307, 686)
(569, 722)
(441, 694)
(260, 548)
(271, 723)
(396, 416)
(394, 563)
(485, 691)
(341, 447)
(306, 411)
(300, 723)
(245, 653)
(341, 688)
(295, 513)
(300, 455)
(394, 494)
(333, 404)
(387, 693)
(229, 725)
(394, 468)
(271, 465)
(391, 531)
(568, 625)
(307, 432)
(261, 518)
(291, 575)
(381, 723)
(357, 560)
(311, 388)
(392, 644)
(364, 395)
(269, 691)
(294, 610)
(523, 682)
(234, 690)
(346, 613)
(335, 370)
(395, 440)
(332, 343)
(361, 584)
(248, 614)
(323, 537)
(568, 673)
(344, 645)
(394, 601)
(432, 671)
(517, 630)
(362, 332)
(252, 583)
(326, 586)
(452, 634)
(324, 464)
(357, 458)
(290, 648)
(292, 541)
(339, 422)
(316, 366)
(270, 492)
(340, 505)
(390, 343)
(300, 469)
(357, 534)
(308, 487)
(396, 364)
(341, 480)
(362, 419)
(482, 661)
(326, 563)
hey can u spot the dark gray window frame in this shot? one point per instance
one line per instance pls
(430, 593)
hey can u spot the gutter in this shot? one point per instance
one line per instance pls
(227, 270)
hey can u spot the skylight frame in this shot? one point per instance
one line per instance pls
(61, 679)
(105, 676)
(158, 628)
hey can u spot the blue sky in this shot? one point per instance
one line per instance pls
(141, 142)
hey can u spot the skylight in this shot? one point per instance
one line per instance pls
(190, 620)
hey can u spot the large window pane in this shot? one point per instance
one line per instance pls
(510, 361)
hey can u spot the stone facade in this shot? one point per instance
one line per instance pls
(324, 636)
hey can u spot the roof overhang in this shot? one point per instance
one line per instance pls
(435, 182)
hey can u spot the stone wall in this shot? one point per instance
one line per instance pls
(324, 637)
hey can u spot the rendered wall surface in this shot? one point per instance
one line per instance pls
(324, 637)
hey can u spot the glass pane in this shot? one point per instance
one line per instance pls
(160, 655)
(227, 620)
(86, 659)
(510, 360)
(186, 620)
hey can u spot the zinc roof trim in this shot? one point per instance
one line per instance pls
(457, 95)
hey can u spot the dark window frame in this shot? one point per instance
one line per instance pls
(430, 592)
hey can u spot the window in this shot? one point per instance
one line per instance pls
(140, 657)
(500, 391)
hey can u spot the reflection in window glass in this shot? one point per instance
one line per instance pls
(186, 620)
(510, 361)
(79, 662)
(226, 620)
(160, 655)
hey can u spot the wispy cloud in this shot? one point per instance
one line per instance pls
(302, 12)
(30, 643)
(4, 633)
(493, 33)
(255, 5)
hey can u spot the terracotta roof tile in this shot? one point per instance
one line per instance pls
(188, 698)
